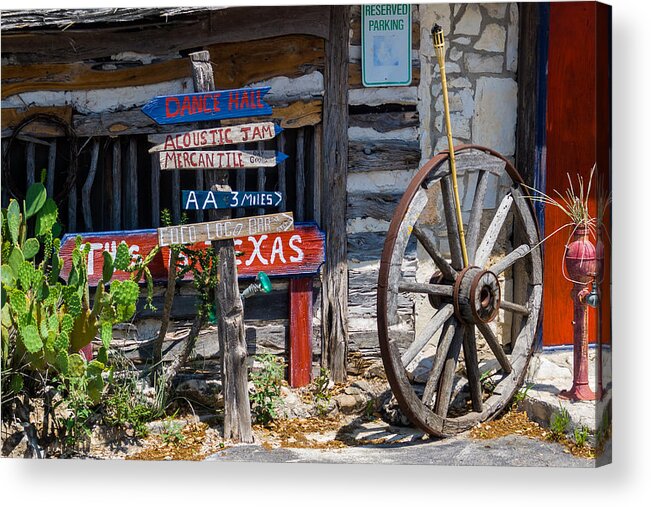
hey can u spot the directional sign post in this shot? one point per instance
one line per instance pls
(212, 105)
(204, 199)
(225, 229)
(220, 136)
(219, 159)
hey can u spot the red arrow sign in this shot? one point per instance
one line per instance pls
(292, 253)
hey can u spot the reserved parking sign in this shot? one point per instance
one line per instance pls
(386, 45)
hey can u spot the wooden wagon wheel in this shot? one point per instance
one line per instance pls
(454, 395)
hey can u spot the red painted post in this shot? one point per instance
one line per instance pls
(300, 331)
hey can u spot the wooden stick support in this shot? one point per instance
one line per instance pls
(228, 306)
(300, 331)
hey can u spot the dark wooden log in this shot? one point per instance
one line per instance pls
(282, 171)
(372, 205)
(300, 175)
(116, 197)
(30, 157)
(51, 167)
(131, 208)
(385, 121)
(317, 172)
(228, 305)
(334, 308)
(155, 191)
(72, 209)
(383, 155)
(88, 186)
(240, 181)
(261, 178)
(529, 69)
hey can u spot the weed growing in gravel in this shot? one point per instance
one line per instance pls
(321, 392)
(581, 435)
(559, 423)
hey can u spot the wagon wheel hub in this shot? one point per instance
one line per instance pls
(476, 295)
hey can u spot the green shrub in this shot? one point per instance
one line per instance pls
(266, 388)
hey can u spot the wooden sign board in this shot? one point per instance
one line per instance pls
(214, 105)
(225, 229)
(206, 199)
(219, 159)
(300, 252)
(250, 132)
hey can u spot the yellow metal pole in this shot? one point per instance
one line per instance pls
(439, 48)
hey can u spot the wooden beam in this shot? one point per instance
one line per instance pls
(83, 76)
(253, 61)
(238, 24)
(334, 301)
(88, 187)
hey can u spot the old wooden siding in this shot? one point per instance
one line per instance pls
(383, 154)
(99, 87)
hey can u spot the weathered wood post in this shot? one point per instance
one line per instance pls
(228, 306)
(334, 348)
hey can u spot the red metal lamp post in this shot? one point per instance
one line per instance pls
(581, 266)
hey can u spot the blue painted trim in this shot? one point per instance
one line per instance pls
(564, 348)
(540, 160)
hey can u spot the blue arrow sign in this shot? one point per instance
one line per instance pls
(215, 105)
(206, 199)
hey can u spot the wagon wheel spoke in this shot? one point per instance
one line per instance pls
(414, 210)
(447, 194)
(514, 307)
(510, 259)
(426, 288)
(439, 361)
(474, 222)
(427, 333)
(495, 346)
(446, 382)
(488, 242)
(425, 239)
(472, 367)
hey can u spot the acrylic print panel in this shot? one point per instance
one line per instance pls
(371, 297)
